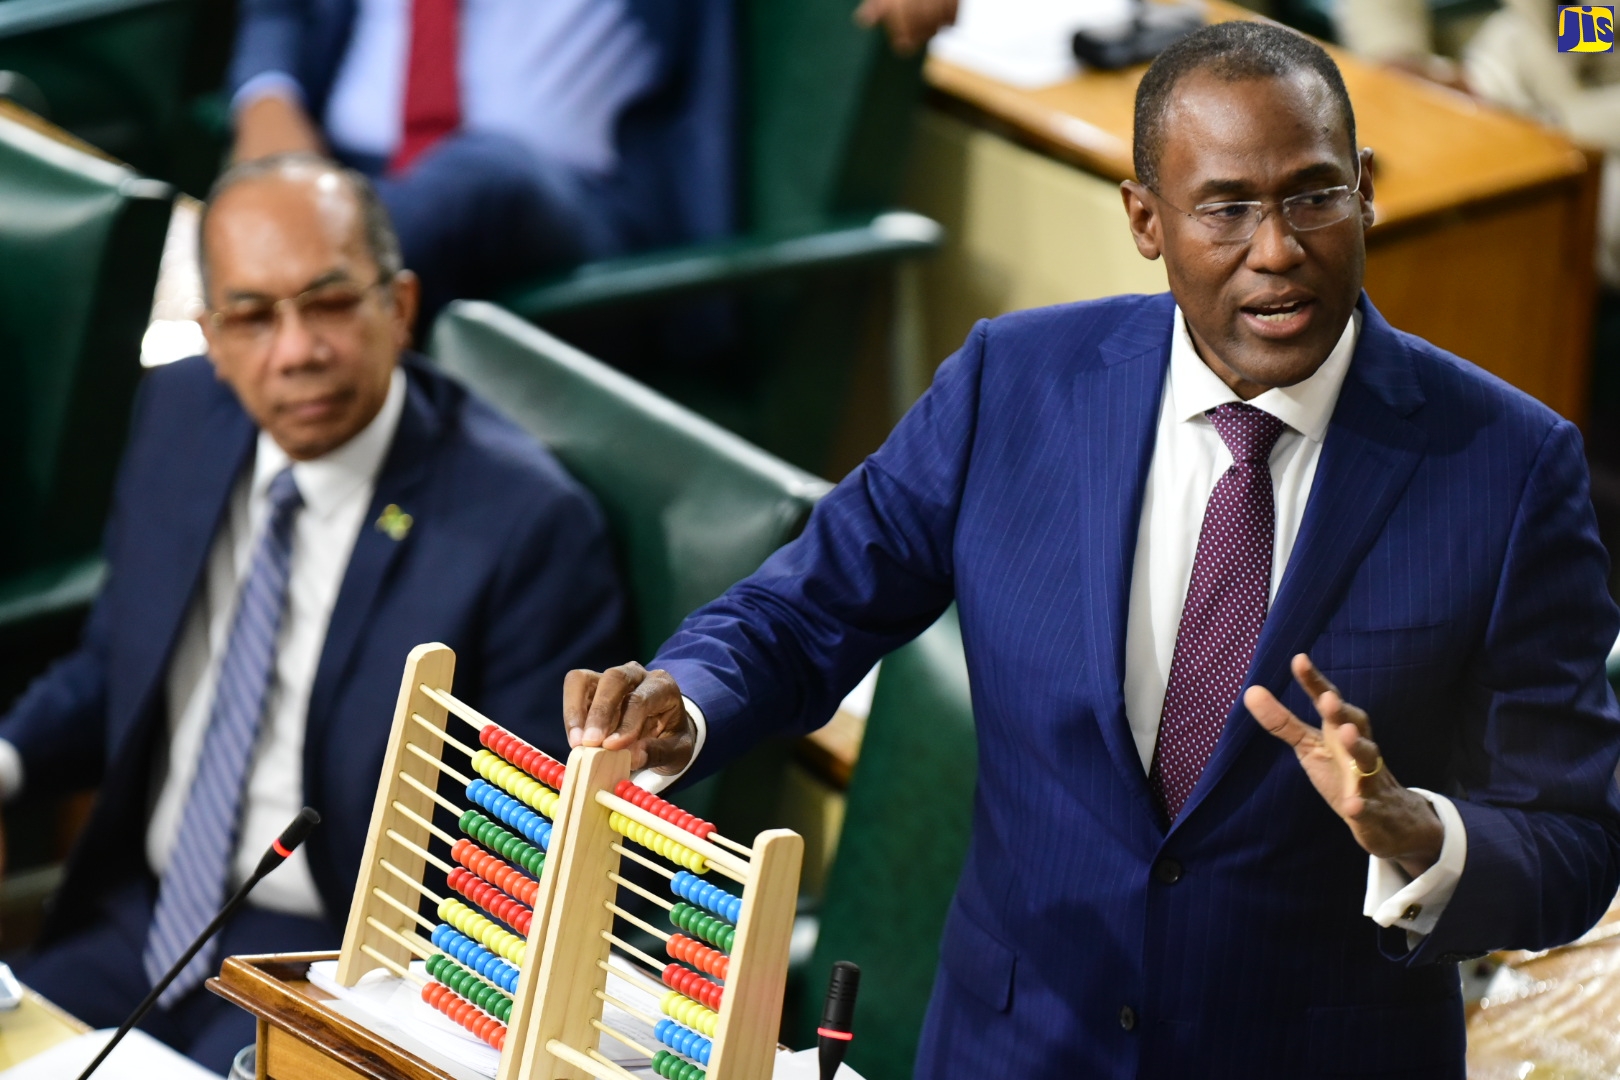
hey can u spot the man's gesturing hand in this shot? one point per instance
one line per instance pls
(630, 708)
(1343, 762)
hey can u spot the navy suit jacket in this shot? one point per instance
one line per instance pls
(1447, 576)
(507, 561)
(676, 176)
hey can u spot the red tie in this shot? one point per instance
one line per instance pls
(432, 88)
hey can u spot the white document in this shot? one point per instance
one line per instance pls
(1025, 43)
(138, 1057)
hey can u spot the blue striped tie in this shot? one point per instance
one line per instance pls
(193, 888)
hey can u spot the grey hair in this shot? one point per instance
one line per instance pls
(381, 240)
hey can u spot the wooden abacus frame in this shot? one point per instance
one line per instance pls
(557, 1006)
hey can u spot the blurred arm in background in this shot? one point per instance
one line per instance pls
(909, 23)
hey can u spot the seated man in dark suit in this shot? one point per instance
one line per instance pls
(508, 139)
(290, 520)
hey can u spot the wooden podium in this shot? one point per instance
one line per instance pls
(299, 1038)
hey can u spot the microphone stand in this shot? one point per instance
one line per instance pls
(283, 846)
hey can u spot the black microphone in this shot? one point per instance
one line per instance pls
(837, 1028)
(280, 848)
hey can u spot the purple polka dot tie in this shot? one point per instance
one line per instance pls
(1226, 606)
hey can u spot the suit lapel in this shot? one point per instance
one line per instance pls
(182, 518)
(1117, 411)
(378, 547)
(1368, 457)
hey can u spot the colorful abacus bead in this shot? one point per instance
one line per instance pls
(709, 897)
(671, 1067)
(491, 899)
(705, 927)
(470, 986)
(465, 1013)
(530, 759)
(693, 985)
(516, 782)
(657, 842)
(510, 811)
(679, 1007)
(497, 839)
(700, 956)
(502, 875)
(468, 952)
(503, 943)
(684, 1040)
(640, 796)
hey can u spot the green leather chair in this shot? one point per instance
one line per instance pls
(127, 76)
(693, 507)
(827, 110)
(80, 241)
(906, 826)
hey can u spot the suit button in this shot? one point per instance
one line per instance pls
(1168, 871)
(1127, 1018)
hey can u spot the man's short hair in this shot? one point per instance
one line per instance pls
(376, 227)
(1232, 52)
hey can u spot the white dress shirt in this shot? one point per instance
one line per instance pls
(337, 490)
(1189, 457)
(554, 76)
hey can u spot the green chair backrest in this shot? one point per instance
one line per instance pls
(828, 107)
(113, 72)
(905, 837)
(80, 242)
(693, 507)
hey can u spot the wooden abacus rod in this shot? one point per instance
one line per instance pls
(412, 882)
(418, 850)
(404, 910)
(623, 914)
(724, 861)
(414, 944)
(644, 861)
(745, 852)
(457, 707)
(633, 951)
(627, 1040)
(424, 822)
(445, 735)
(631, 1009)
(404, 973)
(633, 887)
(437, 764)
(656, 986)
(595, 1064)
(430, 793)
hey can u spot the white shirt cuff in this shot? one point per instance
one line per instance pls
(11, 771)
(655, 781)
(1416, 904)
(267, 84)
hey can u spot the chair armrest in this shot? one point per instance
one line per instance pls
(639, 279)
(57, 590)
(19, 17)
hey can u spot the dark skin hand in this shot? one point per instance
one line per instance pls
(630, 708)
(1387, 820)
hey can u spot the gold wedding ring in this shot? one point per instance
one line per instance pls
(1355, 767)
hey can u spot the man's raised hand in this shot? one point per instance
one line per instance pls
(1347, 770)
(630, 708)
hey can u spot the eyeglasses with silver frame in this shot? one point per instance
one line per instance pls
(1236, 222)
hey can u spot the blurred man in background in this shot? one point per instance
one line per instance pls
(294, 513)
(508, 139)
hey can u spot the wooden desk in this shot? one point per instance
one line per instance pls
(33, 1028)
(1483, 244)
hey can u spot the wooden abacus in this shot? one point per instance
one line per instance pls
(545, 863)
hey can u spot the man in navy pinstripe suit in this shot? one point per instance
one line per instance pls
(1173, 524)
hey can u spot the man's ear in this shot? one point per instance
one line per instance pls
(1367, 213)
(1144, 218)
(407, 292)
